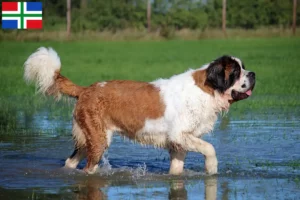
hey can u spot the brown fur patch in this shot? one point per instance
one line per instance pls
(200, 80)
(68, 87)
(121, 104)
(228, 70)
(65, 86)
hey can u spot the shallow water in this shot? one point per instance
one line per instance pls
(258, 159)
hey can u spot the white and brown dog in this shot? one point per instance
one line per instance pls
(168, 113)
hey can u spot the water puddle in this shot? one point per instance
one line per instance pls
(258, 159)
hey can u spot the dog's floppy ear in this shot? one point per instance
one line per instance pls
(215, 74)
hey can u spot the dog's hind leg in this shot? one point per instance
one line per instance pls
(96, 144)
(75, 158)
(80, 147)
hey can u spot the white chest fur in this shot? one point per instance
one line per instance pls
(189, 110)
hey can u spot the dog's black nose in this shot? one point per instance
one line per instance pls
(251, 75)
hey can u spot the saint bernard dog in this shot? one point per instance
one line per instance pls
(168, 113)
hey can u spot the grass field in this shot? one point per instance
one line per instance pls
(275, 61)
(257, 143)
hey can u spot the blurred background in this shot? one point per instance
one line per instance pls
(163, 19)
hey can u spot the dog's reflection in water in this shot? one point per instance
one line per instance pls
(210, 188)
(179, 192)
(91, 189)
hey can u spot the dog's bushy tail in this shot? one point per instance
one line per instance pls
(43, 68)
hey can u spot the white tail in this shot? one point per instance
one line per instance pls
(41, 67)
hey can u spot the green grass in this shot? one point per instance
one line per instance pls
(275, 61)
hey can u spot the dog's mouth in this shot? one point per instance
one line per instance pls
(237, 96)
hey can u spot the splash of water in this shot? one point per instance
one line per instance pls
(105, 167)
(139, 172)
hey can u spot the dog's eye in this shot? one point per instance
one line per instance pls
(236, 73)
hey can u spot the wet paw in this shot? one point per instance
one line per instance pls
(90, 170)
(71, 163)
(211, 165)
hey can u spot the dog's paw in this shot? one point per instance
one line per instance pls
(90, 170)
(211, 165)
(71, 163)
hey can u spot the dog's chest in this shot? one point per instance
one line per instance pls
(187, 111)
(197, 115)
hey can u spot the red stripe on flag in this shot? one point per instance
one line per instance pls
(9, 6)
(34, 24)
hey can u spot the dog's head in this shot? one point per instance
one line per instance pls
(228, 76)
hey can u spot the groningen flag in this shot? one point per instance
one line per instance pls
(22, 15)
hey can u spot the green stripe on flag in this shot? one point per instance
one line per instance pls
(22, 13)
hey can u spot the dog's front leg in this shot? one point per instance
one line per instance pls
(177, 162)
(195, 144)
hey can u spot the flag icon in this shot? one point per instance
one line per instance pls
(22, 15)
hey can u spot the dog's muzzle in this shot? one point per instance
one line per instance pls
(237, 96)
